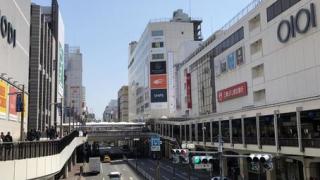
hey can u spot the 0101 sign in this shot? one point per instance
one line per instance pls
(289, 28)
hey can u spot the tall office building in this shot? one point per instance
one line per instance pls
(14, 60)
(46, 66)
(74, 90)
(123, 104)
(152, 60)
(110, 113)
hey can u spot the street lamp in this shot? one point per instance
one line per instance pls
(60, 105)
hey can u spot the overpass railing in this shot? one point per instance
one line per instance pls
(120, 133)
(33, 149)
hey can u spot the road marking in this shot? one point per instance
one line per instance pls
(164, 177)
(131, 178)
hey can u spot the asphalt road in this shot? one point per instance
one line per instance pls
(166, 170)
(121, 166)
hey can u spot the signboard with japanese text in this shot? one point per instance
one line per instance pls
(158, 81)
(158, 67)
(232, 92)
(155, 144)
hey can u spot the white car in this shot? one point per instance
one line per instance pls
(115, 176)
(219, 178)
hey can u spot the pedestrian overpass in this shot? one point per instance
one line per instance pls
(39, 159)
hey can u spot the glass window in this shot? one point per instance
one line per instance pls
(157, 33)
(157, 44)
(158, 56)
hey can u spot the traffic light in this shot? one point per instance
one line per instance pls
(264, 159)
(180, 155)
(202, 159)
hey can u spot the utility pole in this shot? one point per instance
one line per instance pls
(22, 115)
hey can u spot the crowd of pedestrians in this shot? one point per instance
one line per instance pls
(34, 135)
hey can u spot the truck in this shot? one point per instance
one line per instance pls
(94, 165)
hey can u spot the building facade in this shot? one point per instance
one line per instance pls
(123, 104)
(152, 60)
(74, 90)
(255, 83)
(110, 113)
(14, 59)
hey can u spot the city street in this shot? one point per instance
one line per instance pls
(121, 166)
(166, 170)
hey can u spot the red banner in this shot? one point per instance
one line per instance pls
(232, 92)
(12, 101)
(189, 96)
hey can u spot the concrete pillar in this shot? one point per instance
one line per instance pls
(74, 158)
(196, 132)
(211, 133)
(65, 171)
(230, 130)
(190, 132)
(271, 175)
(276, 132)
(243, 168)
(172, 127)
(243, 132)
(258, 129)
(180, 132)
(203, 134)
(299, 109)
(185, 132)
(69, 164)
(225, 167)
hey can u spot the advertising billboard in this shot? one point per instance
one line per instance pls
(158, 81)
(232, 92)
(158, 95)
(12, 101)
(231, 61)
(3, 97)
(158, 67)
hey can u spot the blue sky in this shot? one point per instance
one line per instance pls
(104, 28)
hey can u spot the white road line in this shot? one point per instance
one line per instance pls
(164, 177)
(131, 178)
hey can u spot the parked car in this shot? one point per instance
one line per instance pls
(115, 176)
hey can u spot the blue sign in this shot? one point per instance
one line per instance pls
(19, 103)
(155, 144)
(231, 61)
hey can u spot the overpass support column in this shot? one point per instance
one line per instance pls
(74, 158)
(243, 168)
(180, 133)
(65, 171)
(69, 164)
(172, 127)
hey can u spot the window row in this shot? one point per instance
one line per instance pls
(279, 7)
(158, 56)
(229, 63)
(157, 45)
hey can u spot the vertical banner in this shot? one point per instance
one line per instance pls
(189, 96)
(231, 61)
(12, 101)
(3, 97)
(171, 84)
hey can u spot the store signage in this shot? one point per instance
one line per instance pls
(189, 97)
(289, 28)
(158, 81)
(12, 101)
(159, 67)
(158, 95)
(7, 31)
(235, 91)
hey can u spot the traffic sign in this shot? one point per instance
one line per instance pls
(202, 166)
(155, 144)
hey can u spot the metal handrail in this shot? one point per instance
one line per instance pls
(33, 149)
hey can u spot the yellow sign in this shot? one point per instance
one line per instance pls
(3, 96)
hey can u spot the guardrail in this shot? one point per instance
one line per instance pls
(33, 149)
(142, 172)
